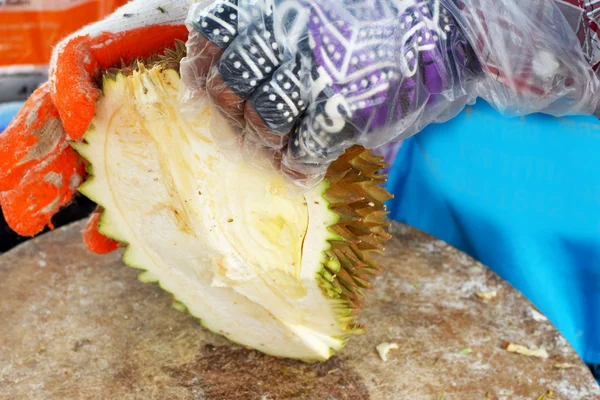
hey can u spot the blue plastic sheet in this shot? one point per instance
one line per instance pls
(522, 195)
(7, 112)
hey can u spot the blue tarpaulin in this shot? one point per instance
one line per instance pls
(7, 112)
(522, 195)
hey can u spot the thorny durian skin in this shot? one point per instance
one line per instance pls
(272, 269)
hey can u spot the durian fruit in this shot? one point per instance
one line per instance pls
(279, 271)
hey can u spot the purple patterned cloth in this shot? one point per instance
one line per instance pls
(384, 61)
(376, 58)
(324, 75)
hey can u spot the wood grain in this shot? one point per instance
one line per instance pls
(78, 326)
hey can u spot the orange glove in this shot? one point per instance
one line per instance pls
(39, 171)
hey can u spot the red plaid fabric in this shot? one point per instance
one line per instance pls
(582, 15)
(587, 27)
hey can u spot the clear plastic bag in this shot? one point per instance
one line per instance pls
(303, 80)
(530, 55)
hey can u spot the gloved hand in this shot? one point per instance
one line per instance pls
(39, 171)
(305, 79)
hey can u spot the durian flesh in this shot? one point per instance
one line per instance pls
(272, 269)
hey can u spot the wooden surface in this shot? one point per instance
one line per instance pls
(78, 326)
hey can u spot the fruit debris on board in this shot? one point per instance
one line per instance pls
(384, 348)
(519, 349)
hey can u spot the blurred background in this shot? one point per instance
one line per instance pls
(28, 31)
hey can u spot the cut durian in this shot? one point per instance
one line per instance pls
(272, 269)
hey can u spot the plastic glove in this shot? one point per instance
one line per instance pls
(531, 57)
(306, 79)
(39, 171)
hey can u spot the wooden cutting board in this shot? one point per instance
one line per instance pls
(79, 326)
